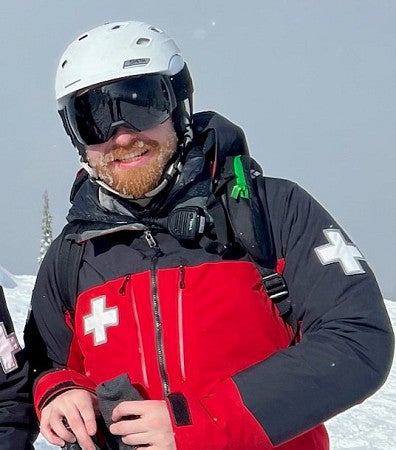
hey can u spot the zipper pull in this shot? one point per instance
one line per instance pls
(150, 239)
(122, 289)
(182, 271)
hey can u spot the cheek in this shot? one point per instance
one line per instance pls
(168, 149)
(162, 132)
(94, 157)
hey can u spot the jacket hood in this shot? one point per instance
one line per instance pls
(214, 138)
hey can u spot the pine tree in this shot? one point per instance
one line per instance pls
(46, 228)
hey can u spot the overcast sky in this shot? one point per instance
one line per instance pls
(312, 83)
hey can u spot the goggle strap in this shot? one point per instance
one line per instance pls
(182, 84)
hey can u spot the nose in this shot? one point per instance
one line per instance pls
(124, 136)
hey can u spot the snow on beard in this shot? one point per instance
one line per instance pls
(135, 181)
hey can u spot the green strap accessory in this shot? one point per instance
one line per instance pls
(241, 188)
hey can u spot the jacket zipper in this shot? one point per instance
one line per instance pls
(182, 286)
(157, 315)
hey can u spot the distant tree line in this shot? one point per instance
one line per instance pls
(46, 228)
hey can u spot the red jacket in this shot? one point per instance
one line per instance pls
(205, 330)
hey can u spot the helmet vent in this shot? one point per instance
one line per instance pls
(82, 37)
(64, 63)
(143, 41)
(116, 27)
(157, 30)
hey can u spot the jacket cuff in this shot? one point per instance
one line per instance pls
(216, 421)
(53, 383)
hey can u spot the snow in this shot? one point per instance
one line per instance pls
(368, 426)
(6, 278)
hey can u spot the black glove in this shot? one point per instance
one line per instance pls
(74, 446)
(110, 394)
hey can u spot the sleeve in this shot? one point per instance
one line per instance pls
(54, 355)
(18, 427)
(347, 342)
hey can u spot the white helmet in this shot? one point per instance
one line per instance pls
(113, 51)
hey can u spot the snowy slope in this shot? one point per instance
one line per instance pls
(369, 426)
(6, 278)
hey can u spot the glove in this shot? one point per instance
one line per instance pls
(110, 394)
(75, 446)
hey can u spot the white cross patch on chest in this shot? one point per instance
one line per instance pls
(338, 250)
(9, 345)
(100, 319)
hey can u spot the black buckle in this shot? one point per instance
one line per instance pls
(276, 287)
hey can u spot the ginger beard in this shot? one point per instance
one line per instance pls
(135, 169)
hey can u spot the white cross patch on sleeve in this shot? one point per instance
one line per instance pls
(9, 345)
(100, 319)
(338, 250)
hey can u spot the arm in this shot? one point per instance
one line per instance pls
(347, 341)
(344, 355)
(61, 385)
(18, 428)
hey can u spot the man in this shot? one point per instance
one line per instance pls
(225, 354)
(17, 423)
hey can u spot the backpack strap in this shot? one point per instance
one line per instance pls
(68, 264)
(238, 206)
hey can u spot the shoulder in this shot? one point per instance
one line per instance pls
(48, 275)
(294, 213)
(286, 198)
(282, 188)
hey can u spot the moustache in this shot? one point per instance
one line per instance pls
(135, 148)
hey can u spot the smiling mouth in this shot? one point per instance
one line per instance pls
(127, 155)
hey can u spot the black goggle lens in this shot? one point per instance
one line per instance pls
(138, 103)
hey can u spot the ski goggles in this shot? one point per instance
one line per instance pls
(137, 103)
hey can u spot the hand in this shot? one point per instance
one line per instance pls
(151, 425)
(68, 416)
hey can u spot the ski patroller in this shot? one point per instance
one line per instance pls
(183, 293)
